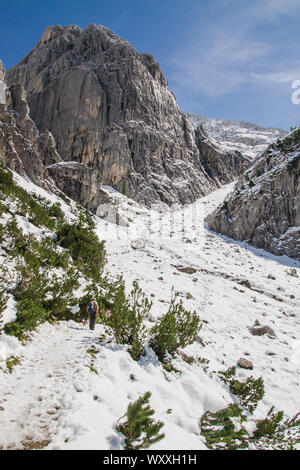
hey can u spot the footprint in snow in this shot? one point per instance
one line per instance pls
(79, 387)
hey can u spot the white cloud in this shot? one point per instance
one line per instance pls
(219, 57)
(286, 76)
(272, 9)
(218, 63)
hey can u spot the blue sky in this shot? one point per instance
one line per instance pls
(232, 59)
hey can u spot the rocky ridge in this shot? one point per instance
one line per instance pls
(264, 208)
(250, 139)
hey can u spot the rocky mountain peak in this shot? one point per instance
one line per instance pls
(109, 108)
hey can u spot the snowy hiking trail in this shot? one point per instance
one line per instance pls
(72, 386)
(58, 394)
(39, 389)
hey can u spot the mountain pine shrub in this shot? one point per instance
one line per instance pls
(6, 178)
(30, 313)
(14, 240)
(11, 362)
(224, 429)
(59, 295)
(29, 281)
(128, 315)
(87, 252)
(227, 374)
(38, 210)
(41, 297)
(275, 433)
(41, 294)
(249, 392)
(49, 256)
(140, 430)
(177, 329)
(269, 425)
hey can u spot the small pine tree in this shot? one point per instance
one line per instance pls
(59, 296)
(177, 329)
(30, 314)
(268, 426)
(128, 317)
(224, 429)
(249, 392)
(139, 429)
(87, 252)
(275, 433)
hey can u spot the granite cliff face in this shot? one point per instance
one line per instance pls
(33, 154)
(264, 208)
(22, 147)
(110, 111)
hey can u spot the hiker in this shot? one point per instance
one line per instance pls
(92, 309)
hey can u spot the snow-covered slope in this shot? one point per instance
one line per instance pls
(249, 139)
(62, 396)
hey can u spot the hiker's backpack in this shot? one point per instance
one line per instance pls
(91, 307)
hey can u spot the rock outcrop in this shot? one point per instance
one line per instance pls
(264, 208)
(109, 109)
(22, 147)
(79, 182)
(32, 153)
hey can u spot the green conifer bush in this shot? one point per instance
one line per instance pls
(140, 430)
(87, 252)
(224, 429)
(275, 433)
(249, 392)
(177, 329)
(128, 314)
